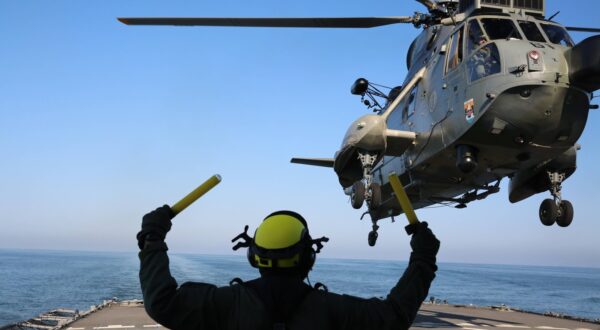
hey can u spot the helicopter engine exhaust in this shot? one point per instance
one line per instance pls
(466, 158)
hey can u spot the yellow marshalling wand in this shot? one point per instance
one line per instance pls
(405, 203)
(195, 194)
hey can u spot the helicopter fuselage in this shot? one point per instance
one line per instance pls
(496, 88)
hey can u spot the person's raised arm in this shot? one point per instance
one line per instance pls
(186, 307)
(413, 287)
(399, 309)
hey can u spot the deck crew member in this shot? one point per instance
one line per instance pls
(284, 253)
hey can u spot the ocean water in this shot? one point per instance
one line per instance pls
(32, 282)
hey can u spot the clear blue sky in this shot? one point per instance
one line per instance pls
(101, 122)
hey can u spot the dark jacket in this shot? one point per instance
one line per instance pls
(205, 306)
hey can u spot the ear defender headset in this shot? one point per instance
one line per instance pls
(281, 242)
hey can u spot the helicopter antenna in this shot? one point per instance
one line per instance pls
(555, 14)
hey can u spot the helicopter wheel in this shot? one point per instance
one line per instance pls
(357, 198)
(548, 212)
(375, 192)
(372, 239)
(566, 214)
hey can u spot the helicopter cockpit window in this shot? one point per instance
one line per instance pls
(476, 37)
(558, 35)
(484, 62)
(456, 50)
(532, 32)
(500, 28)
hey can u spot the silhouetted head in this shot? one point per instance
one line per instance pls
(282, 245)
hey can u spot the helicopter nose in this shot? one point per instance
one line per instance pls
(366, 133)
(584, 66)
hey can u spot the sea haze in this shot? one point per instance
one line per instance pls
(37, 281)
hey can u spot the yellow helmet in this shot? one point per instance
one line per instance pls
(282, 242)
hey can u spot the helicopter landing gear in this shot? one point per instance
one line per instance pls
(375, 194)
(360, 193)
(366, 189)
(556, 209)
(372, 239)
(566, 214)
(548, 212)
(357, 197)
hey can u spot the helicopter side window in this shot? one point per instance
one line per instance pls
(558, 35)
(409, 107)
(484, 62)
(500, 28)
(532, 32)
(456, 50)
(476, 37)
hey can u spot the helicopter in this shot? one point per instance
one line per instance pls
(494, 89)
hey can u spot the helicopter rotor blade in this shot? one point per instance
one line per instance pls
(308, 22)
(582, 29)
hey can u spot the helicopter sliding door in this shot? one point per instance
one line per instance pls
(455, 79)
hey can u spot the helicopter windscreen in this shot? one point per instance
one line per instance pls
(558, 35)
(476, 36)
(484, 57)
(500, 28)
(532, 32)
(484, 62)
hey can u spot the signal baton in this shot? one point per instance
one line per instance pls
(195, 194)
(405, 203)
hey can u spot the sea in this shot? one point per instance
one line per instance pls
(32, 282)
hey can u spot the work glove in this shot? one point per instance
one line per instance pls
(424, 244)
(155, 225)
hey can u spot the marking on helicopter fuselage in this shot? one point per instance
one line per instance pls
(470, 111)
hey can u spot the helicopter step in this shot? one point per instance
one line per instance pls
(556, 210)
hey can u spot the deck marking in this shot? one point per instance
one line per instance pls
(152, 326)
(70, 328)
(513, 326)
(429, 324)
(469, 328)
(427, 313)
(551, 328)
(583, 329)
(465, 324)
(116, 326)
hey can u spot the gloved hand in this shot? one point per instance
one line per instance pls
(424, 244)
(155, 225)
